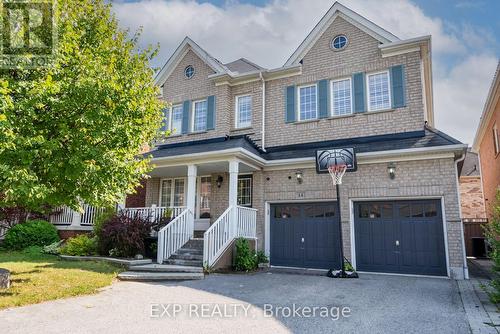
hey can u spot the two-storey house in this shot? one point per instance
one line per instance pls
(240, 160)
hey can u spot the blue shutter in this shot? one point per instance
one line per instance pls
(358, 87)
(323, 98)
(398, 86)
(186, 111)
(164, 122)
(211, 113)
(290, 104)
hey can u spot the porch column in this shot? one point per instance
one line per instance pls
(233, 182)
(191, 188)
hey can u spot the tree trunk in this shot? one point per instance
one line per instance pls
(4, 278)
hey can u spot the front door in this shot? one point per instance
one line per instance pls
(305, 235)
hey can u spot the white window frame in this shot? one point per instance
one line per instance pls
(332, 107)
(298, 102)
(237, 111)
(171, 118)
(496, 139)
(250, 177)
(172, 191)
(193, 116)
(367, 84)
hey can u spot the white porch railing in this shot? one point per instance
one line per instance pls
(63, 216)
(154, 213)
(173, 236)
(224, 230)
(89, 214)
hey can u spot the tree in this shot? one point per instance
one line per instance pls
(492, 231)
(74, 131)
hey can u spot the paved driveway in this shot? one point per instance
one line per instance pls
(377, 304)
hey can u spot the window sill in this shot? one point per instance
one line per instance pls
(196, 133)
(307, 121)
(341, 116)
(378, 111)
(243, 128)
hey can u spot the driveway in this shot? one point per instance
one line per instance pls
(371, 304)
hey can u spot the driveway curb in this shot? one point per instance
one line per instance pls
(478, 318)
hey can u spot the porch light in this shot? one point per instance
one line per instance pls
(299, 176)
(391, 169)
(219, 181)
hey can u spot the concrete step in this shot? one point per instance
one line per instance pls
(191, 251)
(158, 276)
(178, 262)
(187, 256)
(155, 267)
(199, 234)
(196, 243)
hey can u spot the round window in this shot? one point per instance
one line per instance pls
(189, 71)
(339, 42)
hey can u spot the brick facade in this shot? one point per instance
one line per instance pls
(471, 197)
(138, 199)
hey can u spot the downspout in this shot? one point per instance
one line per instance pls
(465, 268)
(263, 132)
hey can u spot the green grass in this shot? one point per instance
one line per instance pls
(39, 277)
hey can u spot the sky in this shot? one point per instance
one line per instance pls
(465, 39)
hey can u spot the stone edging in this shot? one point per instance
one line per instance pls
(124, 262)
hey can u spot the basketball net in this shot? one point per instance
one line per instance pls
(336, 172)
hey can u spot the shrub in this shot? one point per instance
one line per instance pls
(54, 248)
(246, 259)
(100, 219)
(493, 235)
(80, 245)
(30, 233)
(261, 257)
(124, 235)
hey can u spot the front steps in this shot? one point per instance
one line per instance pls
(185, 264)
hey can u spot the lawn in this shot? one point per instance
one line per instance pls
(39, 277)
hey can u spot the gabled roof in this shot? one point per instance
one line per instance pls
(186, 45)
(339, 10)
(489, 107)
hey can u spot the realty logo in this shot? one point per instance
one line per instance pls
(27, 33)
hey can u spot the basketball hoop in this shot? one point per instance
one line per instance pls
(337, 172)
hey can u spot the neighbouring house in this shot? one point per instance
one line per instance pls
(241, 158)
(487, 143)
(472, 203)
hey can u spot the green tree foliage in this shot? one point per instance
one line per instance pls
(73, 131)
(493, 235)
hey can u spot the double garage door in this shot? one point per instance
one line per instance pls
(390, 236)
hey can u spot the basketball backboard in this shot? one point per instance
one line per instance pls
(327, 158)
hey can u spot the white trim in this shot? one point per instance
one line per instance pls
(191, 126)
(237, 111)
(496, 139)
(332, 105)
(315, 85)
(367, 83)
(171, 118)
(462, 237)
(396, 198)
(352, 17)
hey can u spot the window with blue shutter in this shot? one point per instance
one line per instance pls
(186, 106)
(323, 98)
(165, 120)
(358, 87)
(398, 86)
(211, 113)
(290, 114)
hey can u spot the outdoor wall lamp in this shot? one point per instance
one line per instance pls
(219, 181)
(299, 176)
(391, 169)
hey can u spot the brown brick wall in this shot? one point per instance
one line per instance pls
(361, 55)
(137, 200)
(471, 197)
(490, 162)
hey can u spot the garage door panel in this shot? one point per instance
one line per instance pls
(401, 237)
(314, 242)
